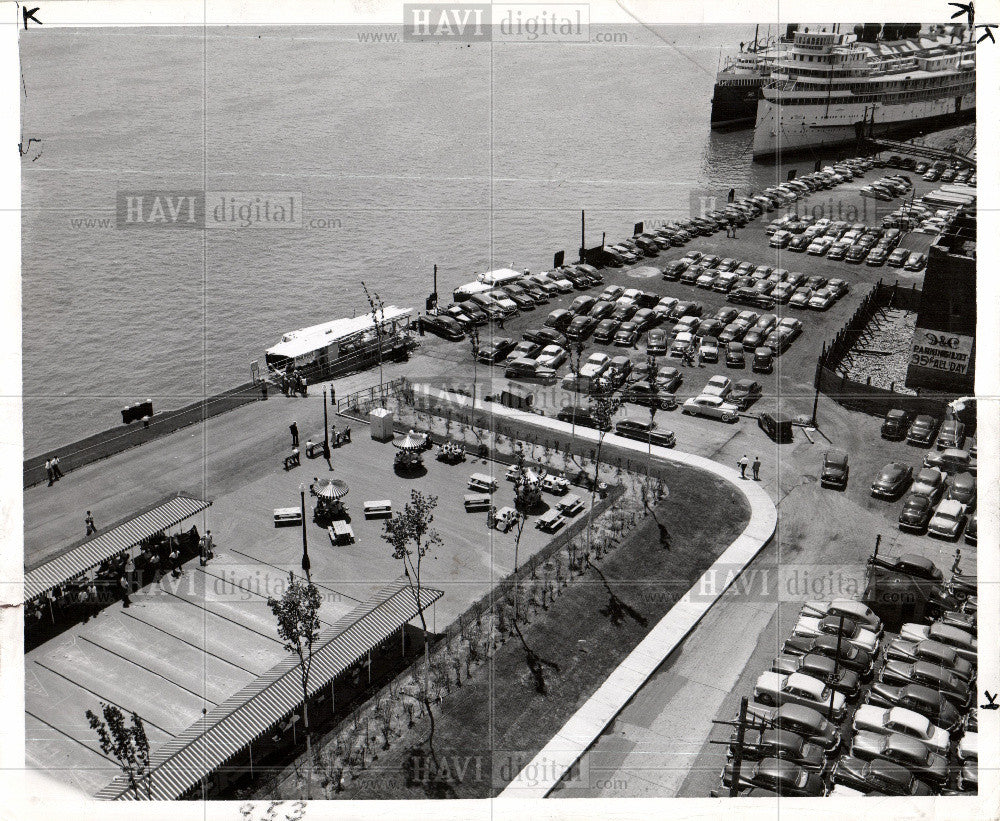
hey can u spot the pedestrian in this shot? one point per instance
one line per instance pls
(95, 604)
(123, 585)
(89, 521)
(209, 545)
(957, 565)
(326, 453)
(263, 390)
(56, 470)
(154, 565)
(333, 396)
(756, 468)
(294, 428)
(743, 466)
(175, 561)
(697, 356)
(205, 547)
(49, 473)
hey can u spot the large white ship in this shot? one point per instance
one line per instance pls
(830, 86)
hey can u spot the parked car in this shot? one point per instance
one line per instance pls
(581, 328)
(885, 721)
(668, 379)
(835, 469)
(850, 631)
(595, 365)
(963, 489)
(656, 342)
(759, 744)
(948, 520)
(856, 611)
(606, 330)
(709, 349)
(923, 700)
(577, 416)
(951, 435)
(496, 350)
(915, 262)
(718, 386)
(545, 336)
(645, 431)
(763, 359)
(923, 430)
(712, 406)
(878, 776)
(777, 776)
(951, 460)
(745, 392)
(627, 335)
(961, 641)
(896, 424)
(951, 685)
(528, 369)
(643, 392)
(552, 356)
(972, 529)
(803, 721)
(905, 751)
(892, 480)
(822, 668)
(444, 326)
(928, 482)
(916, 513)
(735, 355)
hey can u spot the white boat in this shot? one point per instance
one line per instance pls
(831, 87)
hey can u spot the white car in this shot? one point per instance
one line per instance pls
(681, 344)
(709, 349)
(968, 747)
(854, 633)
(563, 285)
(552, 356)
(948, 520)
(714, 407)
(775, 689)
(720, 386)
(849, 608)
(595, 365)
(822, 299)
(884, 721)
(665, 306)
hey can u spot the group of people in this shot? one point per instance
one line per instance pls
(52, 470)
(744, 463)
(293, 383)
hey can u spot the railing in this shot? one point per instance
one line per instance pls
(361, 402)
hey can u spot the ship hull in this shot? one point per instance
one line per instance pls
(803, 129)
(735, 106)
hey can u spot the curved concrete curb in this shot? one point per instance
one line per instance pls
(544, 771)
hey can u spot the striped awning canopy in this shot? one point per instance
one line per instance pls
(181, 763)
(104, 545)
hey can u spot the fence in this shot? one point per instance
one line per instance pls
(115, 440)
(361, 402)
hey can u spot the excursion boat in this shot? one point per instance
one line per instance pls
(342, 345)
(739, 83)
(832, 88)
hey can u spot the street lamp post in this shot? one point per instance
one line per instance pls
(326, 424)
(305, 544)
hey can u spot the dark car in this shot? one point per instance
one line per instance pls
(605, 330)
(822, 668)
(444, 326)
(835, 469)
(878, 776)
(779, 776)
(928, 702)
(623, 313)
(758, 744)
(916, 513)
(577, 416)
(951, 435)
(744, 393)
(668, 379)
(581, 327)
(933, 676)
(496, 350)
(645, 431)
(645, 318)
(776, 425)
(627, 334)
(735, 354)
(763, 360)
(462, 317)
(673, 270)
(545, 336)
(559, 319)
(647, 393)
(933, 652)
(923, 430)
(896, 424)
(904, 750)
(801, 720)
(851, 657)
(892, 480)
(601, 309)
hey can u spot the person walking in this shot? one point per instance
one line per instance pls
(326, 453)
(56, 470)
(92, 598)
(49, 473)
(743, 466)
(263, 390)
(175, 561)
(89, 521)
(294, 428)
(209, 545)
(123, 585)
(755, 467)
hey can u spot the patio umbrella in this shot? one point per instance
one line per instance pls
(409, 442)
(332, 489)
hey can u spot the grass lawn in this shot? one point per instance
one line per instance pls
(497, 720)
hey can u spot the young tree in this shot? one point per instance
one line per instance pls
(474, 343)
(127, 744)
(298, 627)
(603, 407)
(411, 537)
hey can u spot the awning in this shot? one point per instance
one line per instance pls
(230, 727)
(111, 542)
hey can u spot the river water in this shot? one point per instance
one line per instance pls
(405, 156)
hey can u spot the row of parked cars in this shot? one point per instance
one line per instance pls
(848, 709)
(933, 171)
(764, 286)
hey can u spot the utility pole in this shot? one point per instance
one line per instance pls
(836, 668)
(734, 785)
(326, 424)
(583, 235)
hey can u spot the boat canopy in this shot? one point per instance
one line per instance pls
(501, 276)
(306, 340)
